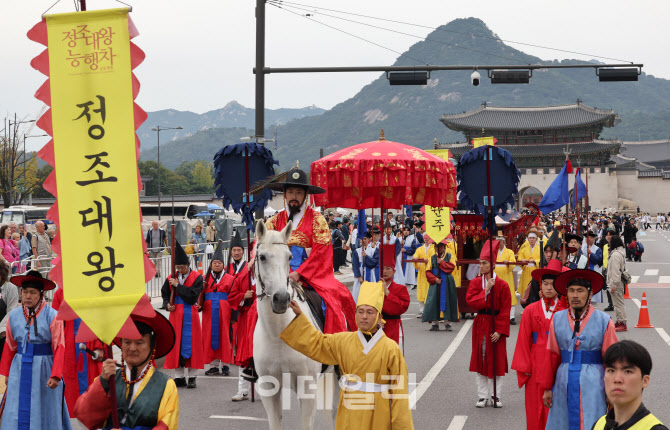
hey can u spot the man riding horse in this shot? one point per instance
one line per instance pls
(312, 250)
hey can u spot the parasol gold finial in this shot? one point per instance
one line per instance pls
(297, 163)
(381, 135)
(483, 134)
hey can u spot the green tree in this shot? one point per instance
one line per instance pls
(41, 175)
(203, 180)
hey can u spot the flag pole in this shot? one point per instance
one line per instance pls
(579, 222)
(489, 153)
(246, 171)
(112, 391)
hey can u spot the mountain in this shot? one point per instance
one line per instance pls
(231, 115)
(411, 114)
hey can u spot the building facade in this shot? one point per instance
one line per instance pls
(541, 138)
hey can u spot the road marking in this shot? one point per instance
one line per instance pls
(651, 272)
(664, 279)
(664, 335)
(643, 285)
(634, 279)
(218, 377)
(637, 302)
(427, 380)
(458, 422)
(233, 417)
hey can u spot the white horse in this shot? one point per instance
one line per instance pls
(276, 363)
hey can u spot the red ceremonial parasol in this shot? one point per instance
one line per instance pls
(383, 174)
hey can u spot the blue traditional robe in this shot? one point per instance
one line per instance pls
(29, 403)
(410, 246)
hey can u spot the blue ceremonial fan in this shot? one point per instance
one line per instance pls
(472, 184)
(233, 179)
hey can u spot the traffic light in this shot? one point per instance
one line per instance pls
(510, 76)
(408, 78)
(618, 75)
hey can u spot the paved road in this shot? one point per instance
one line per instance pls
(445, 390)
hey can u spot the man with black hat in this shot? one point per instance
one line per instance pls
(578, 338)
(187, 285)
(441, 302)
(423, 253)
(146, 397)
(216, 314)
(594, 256)
(310, 232)
(242, 299)
(32, 361)
(575, 259)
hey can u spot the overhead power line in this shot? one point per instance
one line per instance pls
(452, 45)
(345, 32)
(449, 31)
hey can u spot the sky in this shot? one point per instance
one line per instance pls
(200, 54)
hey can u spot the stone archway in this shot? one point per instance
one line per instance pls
(528, 195)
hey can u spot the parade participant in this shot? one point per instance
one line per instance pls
(216, 331)
(187, 284)
(531, 353)
(372, 252)
(391, 239)
(242, 298)
(32, 361)
(594, 256)
(410, 246)
(627, 374)
(424, 252)
(374, 393)
(528, 253)
(146, 398)
(236, 261)
(506, 272)
(551, 248)
(9, 299)
(80, 368)
(452, 248)
(442, 300)
(575, 259)
(489, 296)
(396, 297)
(310, 231)
(578, 339)
(363, 265)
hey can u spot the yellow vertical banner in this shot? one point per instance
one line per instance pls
(481, 141)
(95, 166)
(438, 223)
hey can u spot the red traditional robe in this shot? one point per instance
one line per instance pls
(395, 304)
(75, 364)
(188, 292)
(484, 325)
(532, 358)
(224, 352)
(317, 270)
(246, 321)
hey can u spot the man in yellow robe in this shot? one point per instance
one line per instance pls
(380, 402)
(505, 272)
(528, 252)
(423, 252)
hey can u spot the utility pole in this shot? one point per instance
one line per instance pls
(260, 77)
(83, 5)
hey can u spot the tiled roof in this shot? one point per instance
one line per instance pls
(647, 152)
(530, 118)
(544, 149)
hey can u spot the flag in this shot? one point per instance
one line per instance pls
(408, 211)
(362, 223)
(557, 194)
(101, 263)
(438, 223)
(579, 186)
(274, 138)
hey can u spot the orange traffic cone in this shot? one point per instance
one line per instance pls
(200, 267)
(643, 320)
(625, 292)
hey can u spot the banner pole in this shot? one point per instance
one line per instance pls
(489, 153)
(112, 391)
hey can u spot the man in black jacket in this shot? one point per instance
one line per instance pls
(629, 231)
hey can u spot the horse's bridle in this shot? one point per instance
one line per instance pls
(259, 280)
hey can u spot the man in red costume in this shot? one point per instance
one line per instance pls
(186, 357)
(80, 368)
(491, 297)
(312, 250)
(242, 298)
(216, 316)
(396, 297)
(531, 356)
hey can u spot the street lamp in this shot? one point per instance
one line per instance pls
(158, 129)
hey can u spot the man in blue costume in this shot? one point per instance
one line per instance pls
(410, 244)
(32, 361)
(577, 340)
(363, 265)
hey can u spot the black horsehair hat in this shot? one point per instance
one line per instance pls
(218, 254)
(294, 177)
(237, 240)
(180, 257)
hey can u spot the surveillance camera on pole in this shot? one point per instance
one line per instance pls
(475, 77)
